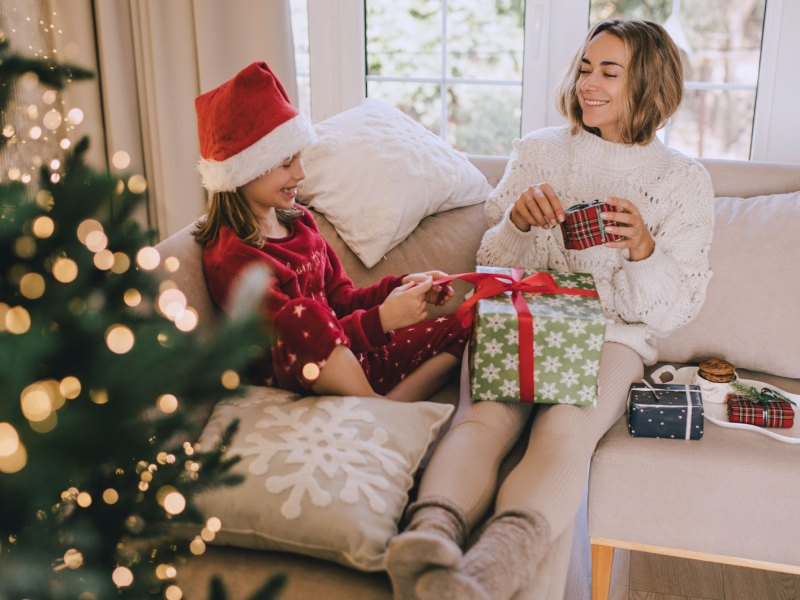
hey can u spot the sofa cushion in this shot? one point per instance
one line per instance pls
(750, 316)
(325, 476)
(376, 173)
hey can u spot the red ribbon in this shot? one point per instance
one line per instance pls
(488, 285)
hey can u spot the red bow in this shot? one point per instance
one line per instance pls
(488, 285)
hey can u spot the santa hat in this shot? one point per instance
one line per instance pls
(247, 126)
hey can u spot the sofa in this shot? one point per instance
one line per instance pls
(727, 470)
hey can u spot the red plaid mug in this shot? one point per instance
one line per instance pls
(583, 228)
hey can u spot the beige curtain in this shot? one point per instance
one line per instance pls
(155, 57)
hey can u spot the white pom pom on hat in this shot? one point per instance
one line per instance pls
(247, 127)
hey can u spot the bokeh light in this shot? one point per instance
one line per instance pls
(119, 339)
(148, 258)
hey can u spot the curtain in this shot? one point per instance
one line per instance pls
(155, 57)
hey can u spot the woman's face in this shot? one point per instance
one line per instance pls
(275, 189)
(601, 86)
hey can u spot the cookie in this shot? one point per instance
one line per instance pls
(717, 370)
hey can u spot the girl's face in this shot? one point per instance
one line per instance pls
(275, 189)
(601, 85)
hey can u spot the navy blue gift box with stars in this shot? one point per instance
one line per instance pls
(665, 410)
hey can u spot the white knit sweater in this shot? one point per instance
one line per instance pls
(642, 300)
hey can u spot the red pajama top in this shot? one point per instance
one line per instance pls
(312, 304)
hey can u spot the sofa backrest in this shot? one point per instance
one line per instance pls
(449, 241)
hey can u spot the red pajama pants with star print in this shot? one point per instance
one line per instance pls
(389, 364)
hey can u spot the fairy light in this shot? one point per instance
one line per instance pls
(14, 173)
(65, 144)
(121, 159)
(174, 503)
(148, 258)
(73, 559)
(33, 111)
(84, 499)
(18, 320)
(110, 496)
(104, 260)
(310, 371)
(25, 247)
(75, 116)
(52, 119)
(187, 320)
(65, 270)
(9, 131)
(172, 264)
(122, 577)
(35, 132)
(207, 535)
(230, 379)
(121, 263)
(9, 440)
(44, 200)
(171, 302)
(55, 178)
(70, 387)
(43, 227)
(132, 297)
(55, 164)
(167, 403)
(15, 462)
(36, 404)
(32, 286)
(86, 227)
(119, 339)
(26, 178)
(173, 592)
(99, 396)
(137, 184)
(197, 546)
(49, 96)
(96, 241)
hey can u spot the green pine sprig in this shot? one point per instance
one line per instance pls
(763, 396)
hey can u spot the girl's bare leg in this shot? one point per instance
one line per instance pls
(425, 379)
(342, 375)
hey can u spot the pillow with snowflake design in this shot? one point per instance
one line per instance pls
(324, 476)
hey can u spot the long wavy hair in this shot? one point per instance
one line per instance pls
(654, 81)
(231, 209)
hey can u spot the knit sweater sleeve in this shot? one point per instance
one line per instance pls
(504, 244)
(667, 289)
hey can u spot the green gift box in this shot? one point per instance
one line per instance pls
(568, 334)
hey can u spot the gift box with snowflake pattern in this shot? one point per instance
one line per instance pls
(568, 333)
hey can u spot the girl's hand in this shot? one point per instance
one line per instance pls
(630, 225)
(405, 305)
(438, 294)
(538, 206)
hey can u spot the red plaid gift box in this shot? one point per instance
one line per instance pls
(583, 227)
(777, 411)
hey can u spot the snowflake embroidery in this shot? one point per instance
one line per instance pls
(328, 443)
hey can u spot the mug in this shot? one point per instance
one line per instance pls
(715, 393)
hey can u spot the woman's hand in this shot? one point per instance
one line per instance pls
(438, 294)
(631, 226)
(405, 305)
(538, 206)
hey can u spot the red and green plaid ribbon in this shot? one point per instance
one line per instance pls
(583, 228)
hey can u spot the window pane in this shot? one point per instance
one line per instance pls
(712, 123)
(485, 40)
(483, 119)
(404, 38)
(420, 101)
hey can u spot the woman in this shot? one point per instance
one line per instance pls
(623, 84)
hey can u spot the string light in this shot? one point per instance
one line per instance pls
(18, 320)
(230, 379)
(122, 577)
(167, 403)
(121, 263)
(65, 270)
(119, 339)
(43, 227)
(121, 159)
(9, 440)
(70, 387)
(137, 184)
(148, 258)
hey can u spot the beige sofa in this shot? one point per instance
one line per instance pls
(728, 474)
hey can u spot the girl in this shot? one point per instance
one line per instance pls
(330, 337)
(623, 84)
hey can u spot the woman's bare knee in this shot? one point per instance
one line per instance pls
(342, 375)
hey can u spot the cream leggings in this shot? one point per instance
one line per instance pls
(551, 476)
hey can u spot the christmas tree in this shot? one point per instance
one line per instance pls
(101, 367)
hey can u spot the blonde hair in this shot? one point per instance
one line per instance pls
(654, 82)
(231, 210)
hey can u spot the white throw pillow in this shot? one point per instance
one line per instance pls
(375, 174)
(751, 315)
(324, 476)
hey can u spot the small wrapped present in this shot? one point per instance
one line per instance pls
(537, 337)
(583, 228)
(764, 408)
(665, 410)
